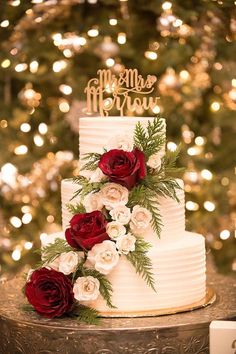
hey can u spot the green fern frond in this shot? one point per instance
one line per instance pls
(142, 262)
(78, 208)
(147, 198)
(151, 139)
(86, 315)
(52, 250)
(92, 161)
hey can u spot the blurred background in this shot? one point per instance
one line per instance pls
(50, 49)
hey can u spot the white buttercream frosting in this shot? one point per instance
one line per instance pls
(178, 257)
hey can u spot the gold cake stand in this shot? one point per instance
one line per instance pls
(185, 332)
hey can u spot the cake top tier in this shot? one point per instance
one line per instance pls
(95, 133)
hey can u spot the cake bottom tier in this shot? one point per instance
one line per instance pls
(179, 270)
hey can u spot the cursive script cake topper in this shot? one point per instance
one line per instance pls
(108, 91)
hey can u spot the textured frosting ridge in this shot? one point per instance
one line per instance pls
(95, 132)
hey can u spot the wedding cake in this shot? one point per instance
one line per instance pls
(178, 256)
(123, 250)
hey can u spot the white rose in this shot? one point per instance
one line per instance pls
(140, 218)
(97, 176)
(114, 195)
(115, 229)
(92, 202)
(126, 243)
(121, 142)
(86, 288)
(154, 161)
(54, 264)
(104, 256)
(68, 262)
(121, 214)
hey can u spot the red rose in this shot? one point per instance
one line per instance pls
(50, 292)
(86, 230)
(124, 167)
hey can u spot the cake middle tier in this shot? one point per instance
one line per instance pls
(172, 213)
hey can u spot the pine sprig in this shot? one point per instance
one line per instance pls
(92, 161)
(168, 166)
(52, 250)
(86, 187)
(147, 198)
(78, 208)
(165, 187)
(142, 262)
(27, 308)
(86, 315)
(105, 285)
(151, 139)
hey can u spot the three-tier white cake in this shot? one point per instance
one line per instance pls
(178, 256)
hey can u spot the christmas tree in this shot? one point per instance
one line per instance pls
(50, 49)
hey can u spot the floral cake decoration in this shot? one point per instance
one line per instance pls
(118, 192)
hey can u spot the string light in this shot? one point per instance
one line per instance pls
(59, 65)
(43, 237)
(3, 124)
(225, 234)
(26, 218)
(110, 62)
(25, 209)
(113, 21)
(121, 38)
(215, 106)
(50, 218)
(225, 181)
(15, 221)
(206, 174)
(171, 146)
(67, 53)
(151, 55)
(209, 206)
(34, 66)
(199, 140)
(81, 40)
(16, 255)
(21, 67)
(15, 3)
(4, 23)
(28, 245)
(192, 206)
(167, 5)
(93, 32)
(21, 150)
(233, 83)
(64, 106)
(8, 174)
(66, 89)
(184, 75)
(38, 140)
(177, 22)
(25, 127)
(194, 150)
(5, 63)
(43, 128)
(57, 38)
(156, 109)
(192, 176)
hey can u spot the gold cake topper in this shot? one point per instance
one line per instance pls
(109, 91)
